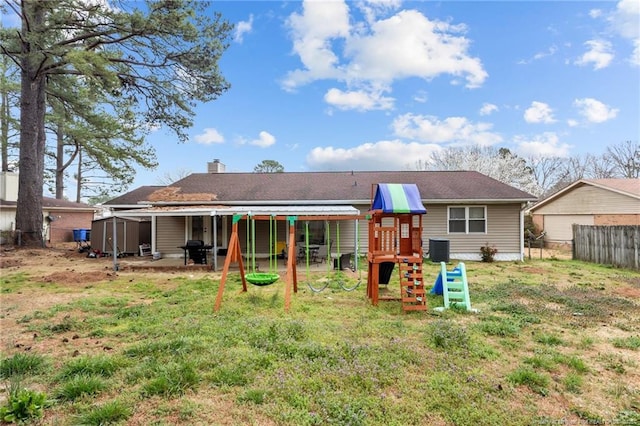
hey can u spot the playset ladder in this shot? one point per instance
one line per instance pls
(412, 292)
(455, 288)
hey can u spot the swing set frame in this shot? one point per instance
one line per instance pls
(234, 251)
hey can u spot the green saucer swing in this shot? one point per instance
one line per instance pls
(262, 278)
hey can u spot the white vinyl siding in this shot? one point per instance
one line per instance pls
(172, 235)
(503, 230)
(558, 227)
(590, 200)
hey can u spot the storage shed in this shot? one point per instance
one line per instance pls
(131, 234)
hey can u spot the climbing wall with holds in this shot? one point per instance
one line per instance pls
(412, 290)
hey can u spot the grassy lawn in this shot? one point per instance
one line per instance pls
(554, 342)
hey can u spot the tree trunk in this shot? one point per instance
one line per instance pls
(59, 161)
(4, 130)
(32, 135)
(79, 179)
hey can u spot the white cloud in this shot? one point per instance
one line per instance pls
(625, 20)
(421, 96)
(410, 45)
(382, 155)
(488, 109)
(242, 28)
(540, 55)
(451, 130)
(539, 112)
(358, 99)
(265, 139)
(371, 55)
(544, 145)
(600, 54)
(635, 56)
(595, 13)
(209, 136)
(572, 123)
(595, 111)
(312, 33)
(371, 9)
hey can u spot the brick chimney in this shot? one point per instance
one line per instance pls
(215, 167)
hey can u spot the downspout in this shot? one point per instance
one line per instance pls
(215, 241)
(154, 245)
(522, 207)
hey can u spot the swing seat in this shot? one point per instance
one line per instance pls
(262, 278)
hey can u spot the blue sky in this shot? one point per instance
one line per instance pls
(379, 85)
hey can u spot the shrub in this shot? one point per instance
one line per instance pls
(488, 253)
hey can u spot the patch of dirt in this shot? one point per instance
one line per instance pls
(72, 277)
(9, 261)
(633, 293)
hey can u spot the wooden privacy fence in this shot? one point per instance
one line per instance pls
(609, 245)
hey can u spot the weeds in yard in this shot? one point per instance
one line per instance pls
(172, 379)
(447, 335)
(526, 376)
(112, 412)
(588, 417)
(334, 359)
(20, 364)
(631, 342)
(79, 386)
(500, 327)
(573, 382)
(548, 339)
(22, 404)
(91, 365)
(255, 396)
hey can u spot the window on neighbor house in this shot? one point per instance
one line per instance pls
(468, 220)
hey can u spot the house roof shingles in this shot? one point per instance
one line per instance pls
(53, 203)
(133, 197)
(335, 187)
(630, 186)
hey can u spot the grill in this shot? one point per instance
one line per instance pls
(194, 244)
(196, 251)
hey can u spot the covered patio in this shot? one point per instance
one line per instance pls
(182, 232)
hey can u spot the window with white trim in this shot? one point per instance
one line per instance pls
(468, 220)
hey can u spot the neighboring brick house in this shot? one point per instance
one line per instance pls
(467, 208)
(587, 202)
(60, 217)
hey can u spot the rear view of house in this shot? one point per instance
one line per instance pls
(466, 208)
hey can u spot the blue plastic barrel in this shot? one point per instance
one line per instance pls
(79, 235)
